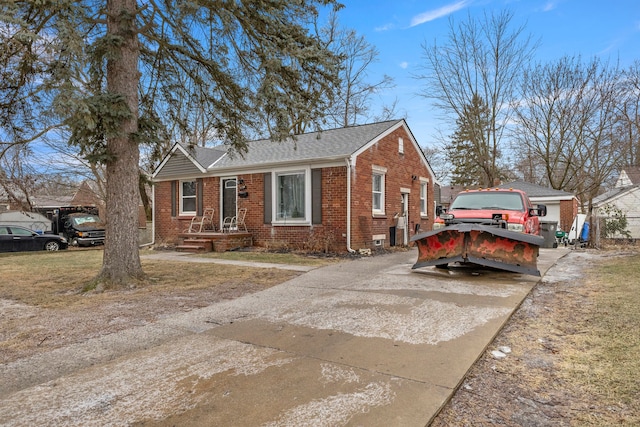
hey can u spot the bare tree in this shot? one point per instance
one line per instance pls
(566, 124)
(627, 129)
(351, 104)
(481, 58)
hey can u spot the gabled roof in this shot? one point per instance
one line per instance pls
(537, 191)
(322, 147)
(315, 146)
(630, 175)
(182, 159)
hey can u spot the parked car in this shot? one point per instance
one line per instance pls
(18, 239)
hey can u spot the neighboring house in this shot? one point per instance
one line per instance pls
(352, 188)
(562, 207)
(84, 195)
(624, 196)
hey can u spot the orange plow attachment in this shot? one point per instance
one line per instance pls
(479, 244)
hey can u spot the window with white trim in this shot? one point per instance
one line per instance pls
(187, 197)
(291, 196)
(423, 197)
(377, 190)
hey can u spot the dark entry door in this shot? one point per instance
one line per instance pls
(229, 194)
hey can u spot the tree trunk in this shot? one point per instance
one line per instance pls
(121, 261)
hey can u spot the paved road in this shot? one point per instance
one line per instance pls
(365, 342)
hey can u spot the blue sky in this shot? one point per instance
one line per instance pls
(609, 29)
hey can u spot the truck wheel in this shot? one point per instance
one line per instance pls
(74, 242)
(52, 245)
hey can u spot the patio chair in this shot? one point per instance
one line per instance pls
(235, 223)
(204, 222)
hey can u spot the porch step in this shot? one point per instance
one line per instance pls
(195, 245)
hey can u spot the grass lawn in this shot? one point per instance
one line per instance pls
(57, 279)
(608, 364)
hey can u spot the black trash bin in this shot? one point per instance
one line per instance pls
(548, 231)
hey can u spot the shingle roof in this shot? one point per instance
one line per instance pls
(606, 196)
(206, 156)
(328, 144)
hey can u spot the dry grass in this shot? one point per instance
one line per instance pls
(51, 280)
(607, 364)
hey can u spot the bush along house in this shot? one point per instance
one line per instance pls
(348, 189)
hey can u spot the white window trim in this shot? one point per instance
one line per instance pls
(181, 197)
(424, 183)
(307, 197)
(379, 170)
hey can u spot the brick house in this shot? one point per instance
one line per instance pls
(344, 189)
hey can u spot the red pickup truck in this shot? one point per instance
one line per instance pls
(495, 228)
(510, 209)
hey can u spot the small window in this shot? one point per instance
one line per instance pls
(400, 145)
(423, 198)
(187, 197)
(377, 190)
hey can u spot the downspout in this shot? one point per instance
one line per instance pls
(349, 206)
(153, 219)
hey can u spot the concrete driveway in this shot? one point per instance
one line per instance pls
(365, 342)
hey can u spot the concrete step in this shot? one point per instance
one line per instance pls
(189, 246)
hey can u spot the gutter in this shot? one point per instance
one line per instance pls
(348, 160)
(153, 220)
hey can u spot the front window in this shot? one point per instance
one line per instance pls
(188, 197)
(290, 196)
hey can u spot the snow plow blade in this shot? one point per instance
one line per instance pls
(484, 245)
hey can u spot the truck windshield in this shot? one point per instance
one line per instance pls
(86, 219)
(488, 200)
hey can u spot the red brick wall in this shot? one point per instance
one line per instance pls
(400, 170)
(568, 211)
(328, 235)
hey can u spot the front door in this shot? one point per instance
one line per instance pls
(229, 194)
(405, 216)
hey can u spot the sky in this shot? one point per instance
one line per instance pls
(608, 29)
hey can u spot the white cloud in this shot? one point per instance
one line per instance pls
(549, 6)
(404, 65)
(385, 27)
(438, 13)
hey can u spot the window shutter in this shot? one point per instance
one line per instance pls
(316, 196)
(199, 196)
(267, 198)
(174, 197)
